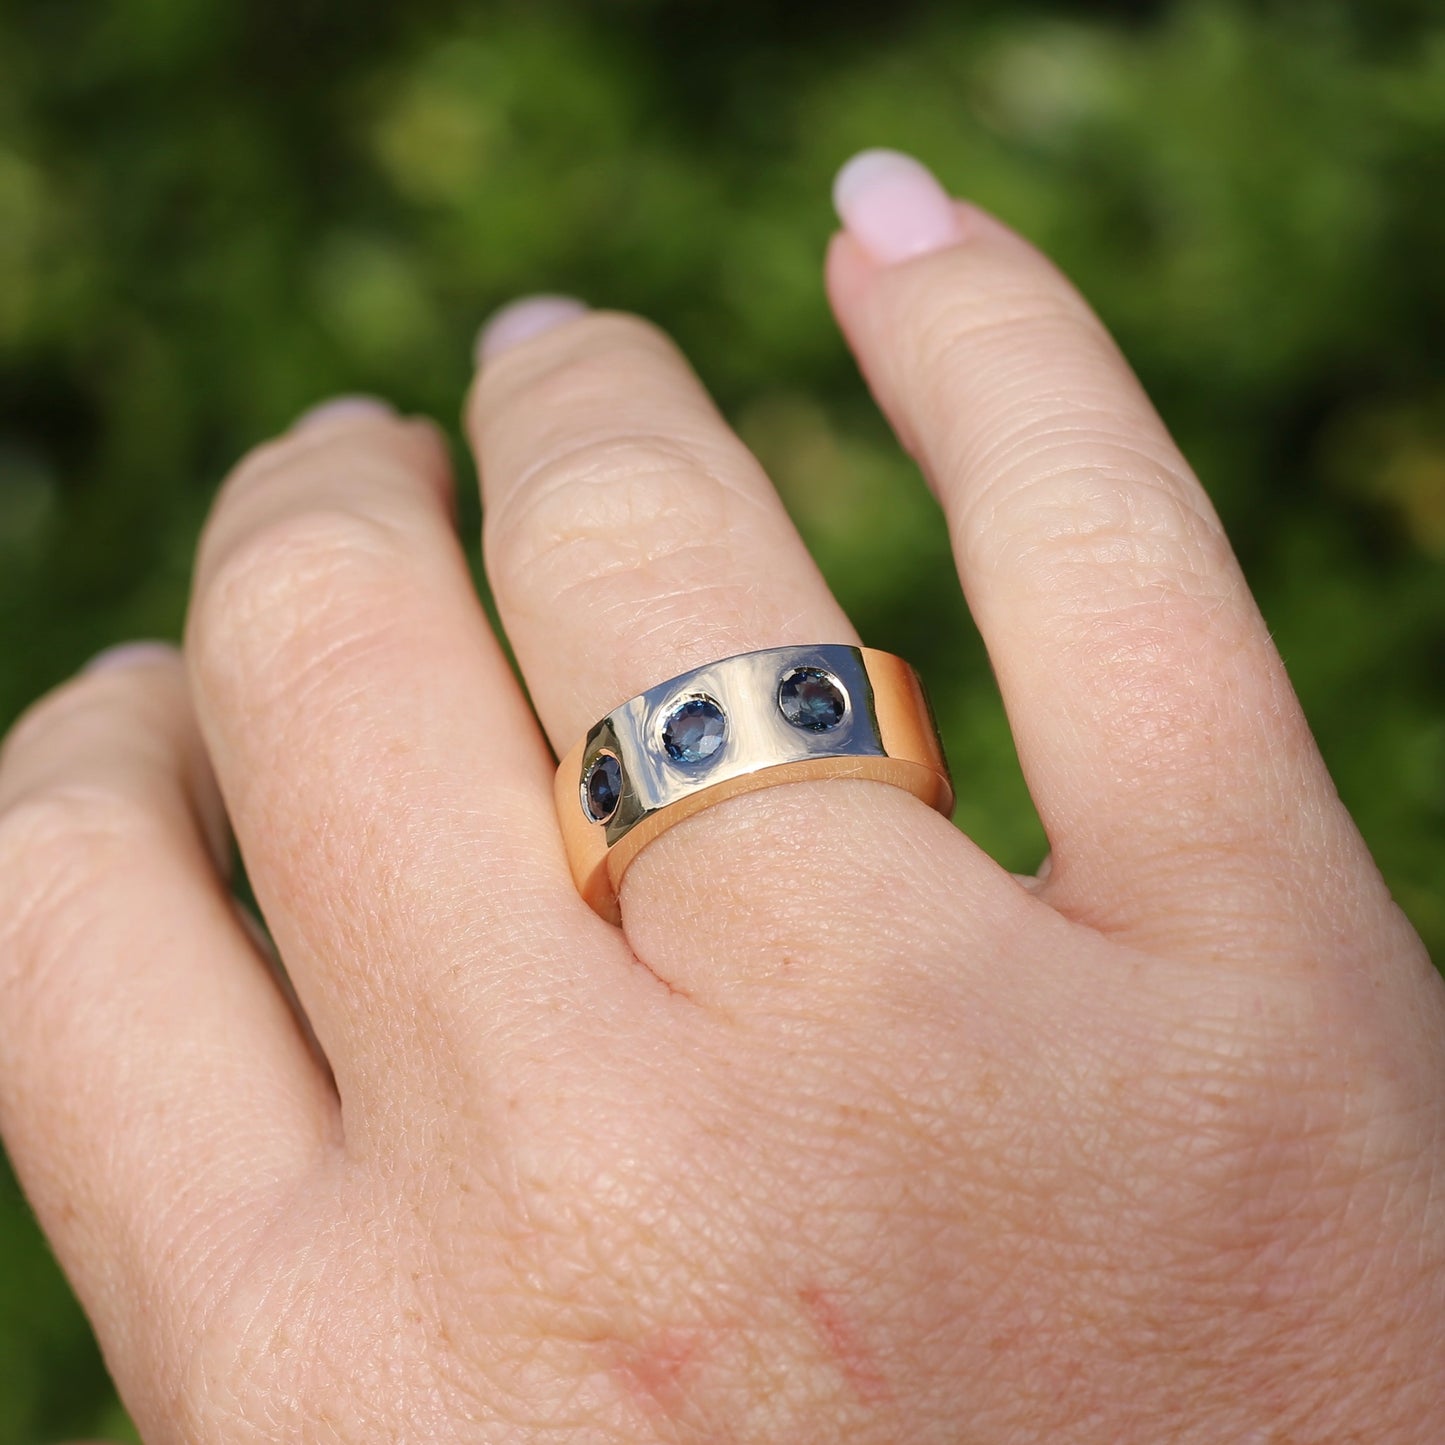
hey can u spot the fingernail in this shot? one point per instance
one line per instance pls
(522, 320)
(130, 654)
(344, 408)
(893, 206)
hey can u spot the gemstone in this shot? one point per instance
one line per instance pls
(694, 730)
(602, 787)
(812, 700)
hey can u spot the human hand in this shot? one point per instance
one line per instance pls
(848, 1134)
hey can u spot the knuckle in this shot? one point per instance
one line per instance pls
(59, 847)
(1071, 488)
(604, 508)
(582, 371)
(394, 453)
(148, 704)
(986, 330)
(611, 496)
(46, 716)
(1085, 497)
(1018, 320)
(1114, 544)
(295, 589)
(1069, 476)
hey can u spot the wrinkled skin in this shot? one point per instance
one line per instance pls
(847, 1134)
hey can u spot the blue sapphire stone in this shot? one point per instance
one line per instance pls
(694, 730)
(602, 787)
(811, 700)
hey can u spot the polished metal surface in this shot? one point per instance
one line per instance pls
(886, 733)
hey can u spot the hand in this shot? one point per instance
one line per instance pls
(848, 1134)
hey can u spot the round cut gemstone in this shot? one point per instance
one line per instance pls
(694, 730)
(602, 787)
(811, 700)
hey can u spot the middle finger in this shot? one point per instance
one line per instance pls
(629, 534)
(388, 788)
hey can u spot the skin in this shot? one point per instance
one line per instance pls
(869, 1141)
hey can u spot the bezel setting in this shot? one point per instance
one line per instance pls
(602, 787)
(694, 730)
(812, 699)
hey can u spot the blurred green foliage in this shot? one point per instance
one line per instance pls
(216, 212)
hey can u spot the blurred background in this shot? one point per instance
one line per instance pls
(214, 213)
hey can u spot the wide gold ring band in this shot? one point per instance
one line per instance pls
(782, 715)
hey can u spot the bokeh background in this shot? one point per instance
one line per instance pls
(214, 213)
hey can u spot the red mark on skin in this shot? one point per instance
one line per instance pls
(654, 1368)
(845, 1343)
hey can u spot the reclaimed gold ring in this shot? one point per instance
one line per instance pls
(782, 715)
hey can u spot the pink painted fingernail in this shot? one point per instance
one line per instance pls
(131, 654)
(893, 206)
(522, 320)
(343, 408)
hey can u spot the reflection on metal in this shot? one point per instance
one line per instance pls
(886, 734)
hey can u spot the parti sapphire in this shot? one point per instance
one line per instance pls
(602, 787)
(811, 700)
(694, 730)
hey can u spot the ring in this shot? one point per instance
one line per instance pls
(782, 715)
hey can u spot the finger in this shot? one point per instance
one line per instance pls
(156, 1094)
(629, 534)
(387, 784)
(629, 537)
(1162, 742)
